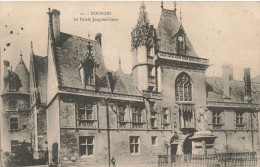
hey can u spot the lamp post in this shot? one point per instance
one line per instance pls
(167, 147)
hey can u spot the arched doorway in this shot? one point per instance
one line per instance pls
(174, 144)
(187, 145)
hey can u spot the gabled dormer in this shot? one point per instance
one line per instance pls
(87, 69)
(171, 34)
(181, 48)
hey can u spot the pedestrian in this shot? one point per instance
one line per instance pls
(113, 161)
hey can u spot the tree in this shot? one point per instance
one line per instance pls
(22, 156)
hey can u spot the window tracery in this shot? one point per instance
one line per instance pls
(183, 88)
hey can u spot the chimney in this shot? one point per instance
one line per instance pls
(247, 80)
(227, 71)
(6, 67)
(98, 38)
(56, 24)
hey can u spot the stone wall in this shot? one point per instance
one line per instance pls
(119, 137)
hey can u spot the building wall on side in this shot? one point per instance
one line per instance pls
(42, 132)
(119, 137)
(23, 132)
(169, 75)
(227, 141)
(52, 83)
(228, 134)
(119, 147)
(53, 126)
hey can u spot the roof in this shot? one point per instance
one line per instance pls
(41, 71)
(256, 79)
(168, 28)
(124, 84)
(215, 90)
(71, 50)
(24, 76)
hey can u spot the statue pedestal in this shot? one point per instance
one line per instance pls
(203, 143)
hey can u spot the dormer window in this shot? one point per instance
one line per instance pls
(180, 45)
(89, 73)
(88, 68)
(181, 48)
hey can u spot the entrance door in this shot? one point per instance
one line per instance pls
(174, 149)
(187, 146)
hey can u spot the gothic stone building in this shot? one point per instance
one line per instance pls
(69, 99)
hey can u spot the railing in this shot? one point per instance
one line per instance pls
(183, 58)
(244, 159)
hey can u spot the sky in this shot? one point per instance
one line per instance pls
(223, 32)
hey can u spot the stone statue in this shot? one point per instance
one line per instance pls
(202, 119)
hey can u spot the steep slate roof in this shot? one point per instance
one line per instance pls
(238, 90)
(24, 76)
(41, 71)
(124, 84)
(168, 28)
(71, 50)
(256, 79)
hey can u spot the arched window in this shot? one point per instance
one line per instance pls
(183, 88)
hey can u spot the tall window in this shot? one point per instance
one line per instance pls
(165, 115)
(181, 49)
(183, 88)
(14, 145)
(137, 114)
(239, 118)
(13, 123)
(134, 144)
(154, 140)
(153, 123)
(89, 72)
(86, 144)
(121, 114)
(85, 115)
(216, 117)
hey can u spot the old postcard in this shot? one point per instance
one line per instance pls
(126, 84)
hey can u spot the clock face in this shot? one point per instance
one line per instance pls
(180, 38)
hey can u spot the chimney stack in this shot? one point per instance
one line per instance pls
(227, 77)
(98, 38)
(6, 71)
(6, 68)
(56, 24)
(247, 80)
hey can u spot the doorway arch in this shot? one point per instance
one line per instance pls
(174, 144)
(187, 145)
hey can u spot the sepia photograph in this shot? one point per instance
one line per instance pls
(129, 84)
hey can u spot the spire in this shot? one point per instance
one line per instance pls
(162, 4)
(175, 9)
(143, 17)
(119, 61)
(142, 33)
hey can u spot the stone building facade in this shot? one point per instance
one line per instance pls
(166, 106)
